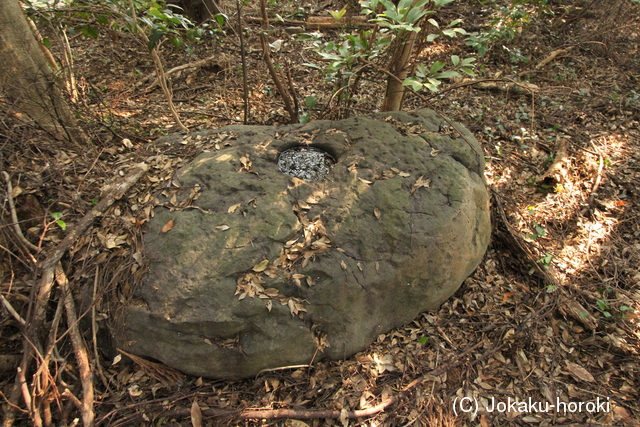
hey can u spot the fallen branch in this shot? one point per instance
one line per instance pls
(79, 348)
(556, 172)
(553, 55)
(319, 22)
(214, 59)
(42, 291)
(596, 184)
(506, 85)
(327, 413)
(14, 216)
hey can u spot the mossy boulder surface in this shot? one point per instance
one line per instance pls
(262, 270)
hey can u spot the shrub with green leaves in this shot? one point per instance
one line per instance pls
(393, 21)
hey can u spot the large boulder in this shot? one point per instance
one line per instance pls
(262, 270)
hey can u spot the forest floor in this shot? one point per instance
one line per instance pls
(552, 312)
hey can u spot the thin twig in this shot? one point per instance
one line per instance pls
(14, 216)
(597, 182)
(293, 115)
(94, 331)
(243, 59)
(157, 62)
(13, 311)
(26, 395)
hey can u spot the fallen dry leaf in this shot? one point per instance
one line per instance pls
(222, 227)
(168, 226)
(233, 208)
(261, 266)
(421, 182)
(196, 415)
(506, 296)
(376, 212)
(578, 372)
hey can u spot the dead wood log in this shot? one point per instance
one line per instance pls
(218, 60)
(318, 22)
(557, 172)
(553, 55)
(511, 86)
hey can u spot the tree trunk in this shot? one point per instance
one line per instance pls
(399, 67)
(28, 82)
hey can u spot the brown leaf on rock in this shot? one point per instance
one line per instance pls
(421, 182)
(168, 226)
(261, 266)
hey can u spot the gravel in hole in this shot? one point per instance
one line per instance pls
(307, 163)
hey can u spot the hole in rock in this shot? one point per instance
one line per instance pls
(307, 163)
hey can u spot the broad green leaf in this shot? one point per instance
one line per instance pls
(455, 60)
(433, 22)
(310, 65)
(146, 20)
(468, 71)
(411, 81)
(330, 56)
(437, 66)
(454, 23)
(220, 19)
(62, 224)
(404, 4)
(432, 37)
(415, 14)
(449, 32)
(46, 42)
(155, 12)
(468, 61)
(155, 36)
(423, 340)
(447, 75)
(177, 42)
(304, 119)
(56, 215)
(421, 70)
(337, 15)
(310, 101)
(433, 84)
